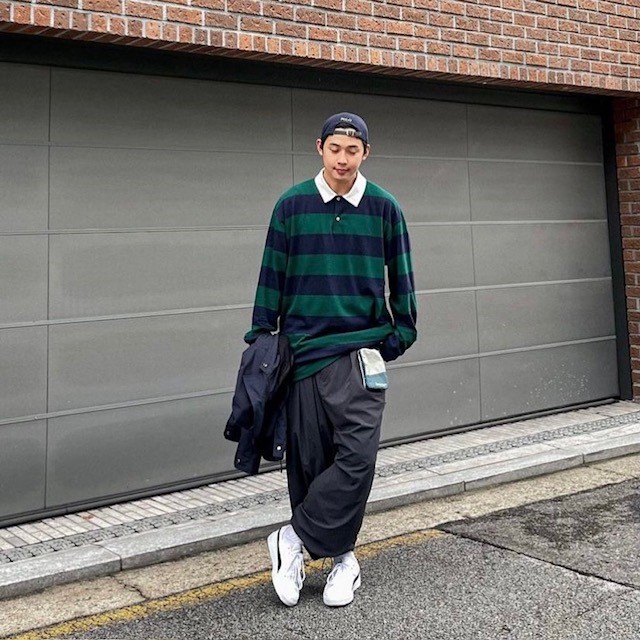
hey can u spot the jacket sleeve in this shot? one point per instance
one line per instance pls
(268, 300)
(402, 297)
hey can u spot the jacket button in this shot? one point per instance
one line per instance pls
(265, 365)
(278, 448)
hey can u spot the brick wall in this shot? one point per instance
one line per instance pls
(586, 45)
(627, 131)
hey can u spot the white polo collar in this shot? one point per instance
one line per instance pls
(353, 197)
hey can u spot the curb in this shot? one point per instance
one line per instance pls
(179, 541)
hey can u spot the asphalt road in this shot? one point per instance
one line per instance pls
(560, 569)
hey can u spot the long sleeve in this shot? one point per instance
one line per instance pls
(402, 298)
(268, 301)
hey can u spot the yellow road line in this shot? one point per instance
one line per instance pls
(203, 594)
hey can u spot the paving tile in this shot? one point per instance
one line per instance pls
(490, 459)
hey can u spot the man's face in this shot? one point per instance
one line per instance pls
(342, 156)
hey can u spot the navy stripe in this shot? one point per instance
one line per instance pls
(404, 285)
(276, 240)
(265, 318)
(397, 246)
(271, 278)
(405, 320)
(334, 286)
(314, 244)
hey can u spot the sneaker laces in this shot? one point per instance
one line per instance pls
(338, 568)
(296, 570)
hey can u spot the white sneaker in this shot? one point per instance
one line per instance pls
(288, 567)
(342, 582)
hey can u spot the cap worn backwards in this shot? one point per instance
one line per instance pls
(348, 124)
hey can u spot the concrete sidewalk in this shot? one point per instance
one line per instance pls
(110, 539)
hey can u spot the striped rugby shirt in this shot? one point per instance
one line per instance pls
(322, 280)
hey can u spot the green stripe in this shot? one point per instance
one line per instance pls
(401, 264)
(325, 223)
(336, 265)
(406, 334)
(274, 259)
(404, 301)
(301, 343)
(398, 229)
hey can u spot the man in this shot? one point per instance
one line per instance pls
(322, 284)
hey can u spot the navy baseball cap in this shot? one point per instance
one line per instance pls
(348, 124)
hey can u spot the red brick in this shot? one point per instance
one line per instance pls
(105, 6)
(323, 33)
(291, 30)
(411, 44)
(464, 51)
(310, 16)
(261, 25)
(399, 27)
(221, 20)
(341, 20)
(382, 41)
(144, 10)
(363, 7)
(184, 15)
(450, 6)
(62, 18)
(275, 10)
(386, 11)
(98, 22)
(217, 5)
(244, 6)
(415, 15)
(43, 16)
(353, 37)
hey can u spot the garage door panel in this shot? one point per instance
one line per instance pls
(427, 190)
(536, 191)
(441, 256)
(126, 110)
(24, 185)
(112, 273)
(528, 381)
(306, 166)
(23, 280)
(396, 127)
(527, 316)
(23, 374)
(24, 108)
(133, 188)
(111, 452)
(526, 134)
(98, 363)
(22, 466)
(427, 398)
(507, 254)
(446, 326)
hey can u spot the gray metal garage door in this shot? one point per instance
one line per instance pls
(133, 211)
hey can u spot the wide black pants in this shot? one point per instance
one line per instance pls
(333, 432)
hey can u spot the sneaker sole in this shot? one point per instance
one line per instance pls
(272, 542)
(345, 601)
